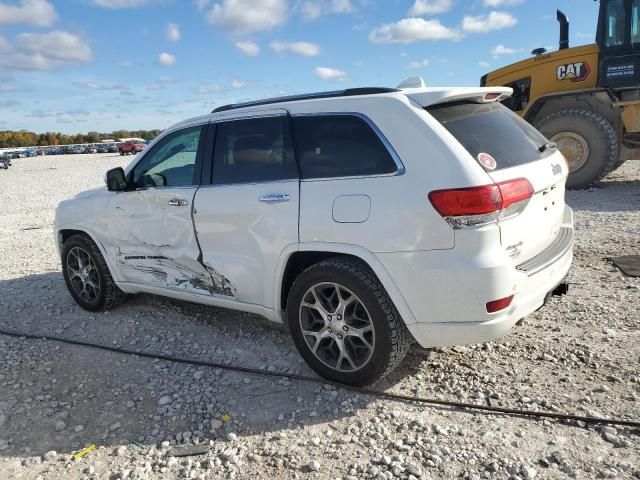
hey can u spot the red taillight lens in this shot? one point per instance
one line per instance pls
(515, 191)
(466, 201)
(469, 207)
(498, 305)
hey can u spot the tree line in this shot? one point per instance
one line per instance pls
(24, 138)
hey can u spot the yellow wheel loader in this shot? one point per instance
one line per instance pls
(584, 99)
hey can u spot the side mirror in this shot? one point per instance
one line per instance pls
(116, 181)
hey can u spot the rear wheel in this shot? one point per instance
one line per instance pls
(586, 139)
(344, 324)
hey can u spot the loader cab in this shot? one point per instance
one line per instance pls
(618, 38)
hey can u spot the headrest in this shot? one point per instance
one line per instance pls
(252, 150)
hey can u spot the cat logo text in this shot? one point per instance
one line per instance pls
(575, 72)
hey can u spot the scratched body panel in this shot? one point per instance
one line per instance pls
(154, 243)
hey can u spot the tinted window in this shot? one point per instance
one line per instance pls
(491, 128)
(171, 162)
(254, 150)
(615, 23)
(635, 22)
(339, 146)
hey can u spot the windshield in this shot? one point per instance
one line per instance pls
(493, 129)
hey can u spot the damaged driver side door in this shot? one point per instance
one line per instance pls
(153, 241)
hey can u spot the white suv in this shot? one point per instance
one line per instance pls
(364, 218)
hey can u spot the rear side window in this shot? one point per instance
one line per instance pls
(253, 150)
(339, 146)
(491, 128)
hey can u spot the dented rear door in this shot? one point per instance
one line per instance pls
(248, 214)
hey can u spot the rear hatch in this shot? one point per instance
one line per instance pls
(509, 148)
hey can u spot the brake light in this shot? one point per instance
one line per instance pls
(477, 206)
(497, 305)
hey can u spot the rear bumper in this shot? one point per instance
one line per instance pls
(448, 295)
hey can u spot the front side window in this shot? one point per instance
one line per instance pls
(171, 162)
(253, 150)
(340, 146)
(615, 23)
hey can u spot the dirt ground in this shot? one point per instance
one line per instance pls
(580, 354)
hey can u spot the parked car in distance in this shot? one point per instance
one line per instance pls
(4, 164)
(112, 149)
(132, 148)
(427, 214)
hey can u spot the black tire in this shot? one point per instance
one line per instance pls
(392, 339)
(109, 295)
(600, 136)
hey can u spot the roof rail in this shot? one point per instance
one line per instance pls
(349, 92)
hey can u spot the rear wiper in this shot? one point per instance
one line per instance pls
(547, 146)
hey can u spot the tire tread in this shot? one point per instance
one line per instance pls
(401, 338)
(601, 123)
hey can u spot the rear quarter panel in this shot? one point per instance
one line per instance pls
(401, 217)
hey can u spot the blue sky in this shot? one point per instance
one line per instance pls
(81, 65)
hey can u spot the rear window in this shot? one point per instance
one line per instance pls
(494, 129)
(340, 146)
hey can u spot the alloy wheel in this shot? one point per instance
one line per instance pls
(83, 274)
(337, 327)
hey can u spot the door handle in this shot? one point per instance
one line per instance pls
(275, 198)
(178, 202)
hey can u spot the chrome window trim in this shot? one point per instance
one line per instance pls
(387, 144)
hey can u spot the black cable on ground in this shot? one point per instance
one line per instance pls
(364, 391)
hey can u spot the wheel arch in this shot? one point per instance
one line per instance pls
(64, 233)
(295, 260)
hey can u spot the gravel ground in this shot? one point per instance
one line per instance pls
(580, 354)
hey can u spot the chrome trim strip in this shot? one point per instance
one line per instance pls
(558, 248)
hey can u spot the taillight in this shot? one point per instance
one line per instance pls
(478, 206)
(497, 305)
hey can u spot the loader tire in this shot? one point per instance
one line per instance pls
(587, 140)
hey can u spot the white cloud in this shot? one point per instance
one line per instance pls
(39, 13)
(209, 88)
(115, 4)
(97, 86)
(486, 23)
(500, 3)
(327, 73)
(239, 84)
(409, 30)
(166, 59)
(126, 64)
(312, 9)
(173, 32)
(484, 64)
(301, 48)
(249, 48)
(430, 7)
(502, 50)
(243, 16)
(419, 64)
(34, 51)
(201, 4)
(341, 6)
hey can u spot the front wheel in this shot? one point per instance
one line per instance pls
(87, 275)
(344, 324)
